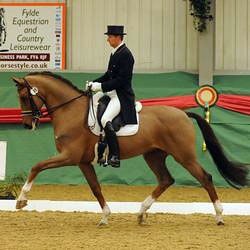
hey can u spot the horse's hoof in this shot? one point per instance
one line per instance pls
(220, 223)
(219, 220)
(102, 223)
(141, 219)
(20, 204)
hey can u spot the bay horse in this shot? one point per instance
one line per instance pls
(163, 131)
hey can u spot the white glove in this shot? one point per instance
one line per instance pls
(88, 84)
(96, 86)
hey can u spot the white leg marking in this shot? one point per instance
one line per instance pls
(146, 204)
(105, 214)
(218, 212)
(25, 189)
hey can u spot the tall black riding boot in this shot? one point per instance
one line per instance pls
(112, 141)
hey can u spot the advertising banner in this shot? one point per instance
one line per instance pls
(32, 36)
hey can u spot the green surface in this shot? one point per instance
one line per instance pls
(145, 85)
(25, 148)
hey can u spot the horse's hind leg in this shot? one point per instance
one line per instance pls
(156, 161)
(206, 181)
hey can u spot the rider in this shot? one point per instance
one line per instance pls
(116, 83)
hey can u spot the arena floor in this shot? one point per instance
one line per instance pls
(58, 230)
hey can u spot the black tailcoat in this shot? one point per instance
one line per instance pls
(119, 77)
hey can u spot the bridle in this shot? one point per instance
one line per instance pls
(35, 112)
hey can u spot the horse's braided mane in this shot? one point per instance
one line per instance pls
(48, 73)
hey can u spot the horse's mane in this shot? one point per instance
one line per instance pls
(66, 81)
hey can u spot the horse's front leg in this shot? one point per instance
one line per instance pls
(53, 162)
(90, 175)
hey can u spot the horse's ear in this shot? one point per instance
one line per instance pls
(17, 80)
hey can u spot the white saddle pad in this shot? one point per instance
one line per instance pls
(127, 130)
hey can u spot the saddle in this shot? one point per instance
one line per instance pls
(95, 126)
(96, 111)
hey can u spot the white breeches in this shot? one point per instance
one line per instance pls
(113, 108)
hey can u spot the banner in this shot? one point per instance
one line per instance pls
(3, 148)
(32, 36)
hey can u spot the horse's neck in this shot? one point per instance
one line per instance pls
(56, 94)
(73, 114)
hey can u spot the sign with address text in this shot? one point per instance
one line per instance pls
(32, 36)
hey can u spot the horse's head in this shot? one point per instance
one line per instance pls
(30, 102)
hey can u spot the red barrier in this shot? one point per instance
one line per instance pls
(13, 115)
(235, 103)
(181, 102)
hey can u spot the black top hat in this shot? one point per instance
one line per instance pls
(115, 30)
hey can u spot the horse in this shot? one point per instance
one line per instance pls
(163, 131)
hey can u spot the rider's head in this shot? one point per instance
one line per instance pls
(115, 35)
(114, 40)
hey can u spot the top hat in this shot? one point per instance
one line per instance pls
(115, 30)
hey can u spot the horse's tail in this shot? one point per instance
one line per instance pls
(236, 174)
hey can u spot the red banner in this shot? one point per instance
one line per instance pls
(237, 103)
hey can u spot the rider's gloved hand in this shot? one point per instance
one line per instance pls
(96, 86)
(88, 85)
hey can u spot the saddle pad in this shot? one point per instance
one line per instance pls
(127, 130)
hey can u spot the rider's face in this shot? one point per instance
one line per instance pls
(114, 41)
